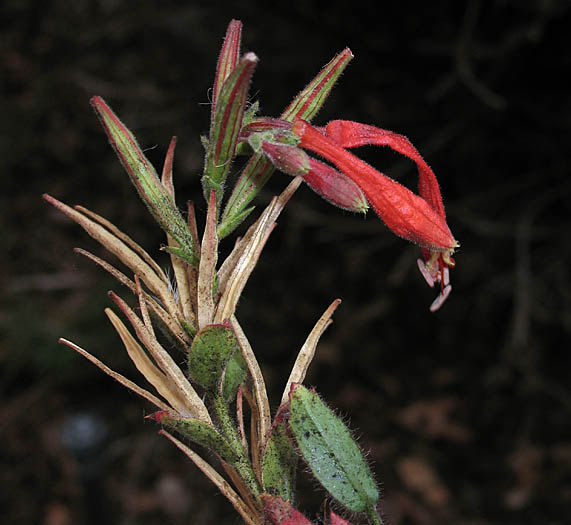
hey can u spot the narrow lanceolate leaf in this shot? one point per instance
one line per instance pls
(207, 267)
(217, 479)
(201, 433)
(280, 512)
(209, 354)
(193, 404)
(256, 239)
(127, 383)
(227, 123)
(179, 337)
(144, 177)
(254, 176)
(261, 405)
(227, 60)
(144, 364)
(126, 239)
(331, 453)
(123, 252)
(258, 170)
(180, 267)
(280, 459)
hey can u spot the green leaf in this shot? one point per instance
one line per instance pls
(331, 453)
(228, 226)
(146, 181)
(209, 354)
(280, 460)
(226, 124)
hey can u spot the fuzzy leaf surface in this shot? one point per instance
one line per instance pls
(209, 354)
(280, 460)
(330, 451)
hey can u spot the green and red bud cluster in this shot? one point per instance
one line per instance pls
(280, 143)
(419, 218)
(258, 170)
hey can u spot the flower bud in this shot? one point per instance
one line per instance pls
(287, 158)
(335, 187)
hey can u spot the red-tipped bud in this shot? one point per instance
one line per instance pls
(258, 171)
(310, 100)
(227, 122)
(158, 416)
(228, 59)
(158, 199)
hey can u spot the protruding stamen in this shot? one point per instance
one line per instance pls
(439, 301)
(446, 276)
(425, 272)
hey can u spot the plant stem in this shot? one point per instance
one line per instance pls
(373, 516)
(243, 465)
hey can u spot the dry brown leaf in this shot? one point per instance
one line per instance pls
(207, 267)
(123, 252)
(222, 485)
(307, 351)
(194, 405)
(172, 324)
(144, 364)
(259, 389)
(118, 377)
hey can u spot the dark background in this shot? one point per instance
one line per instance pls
(465, 412)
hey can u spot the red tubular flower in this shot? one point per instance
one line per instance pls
(420, 219)
(348, 134)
